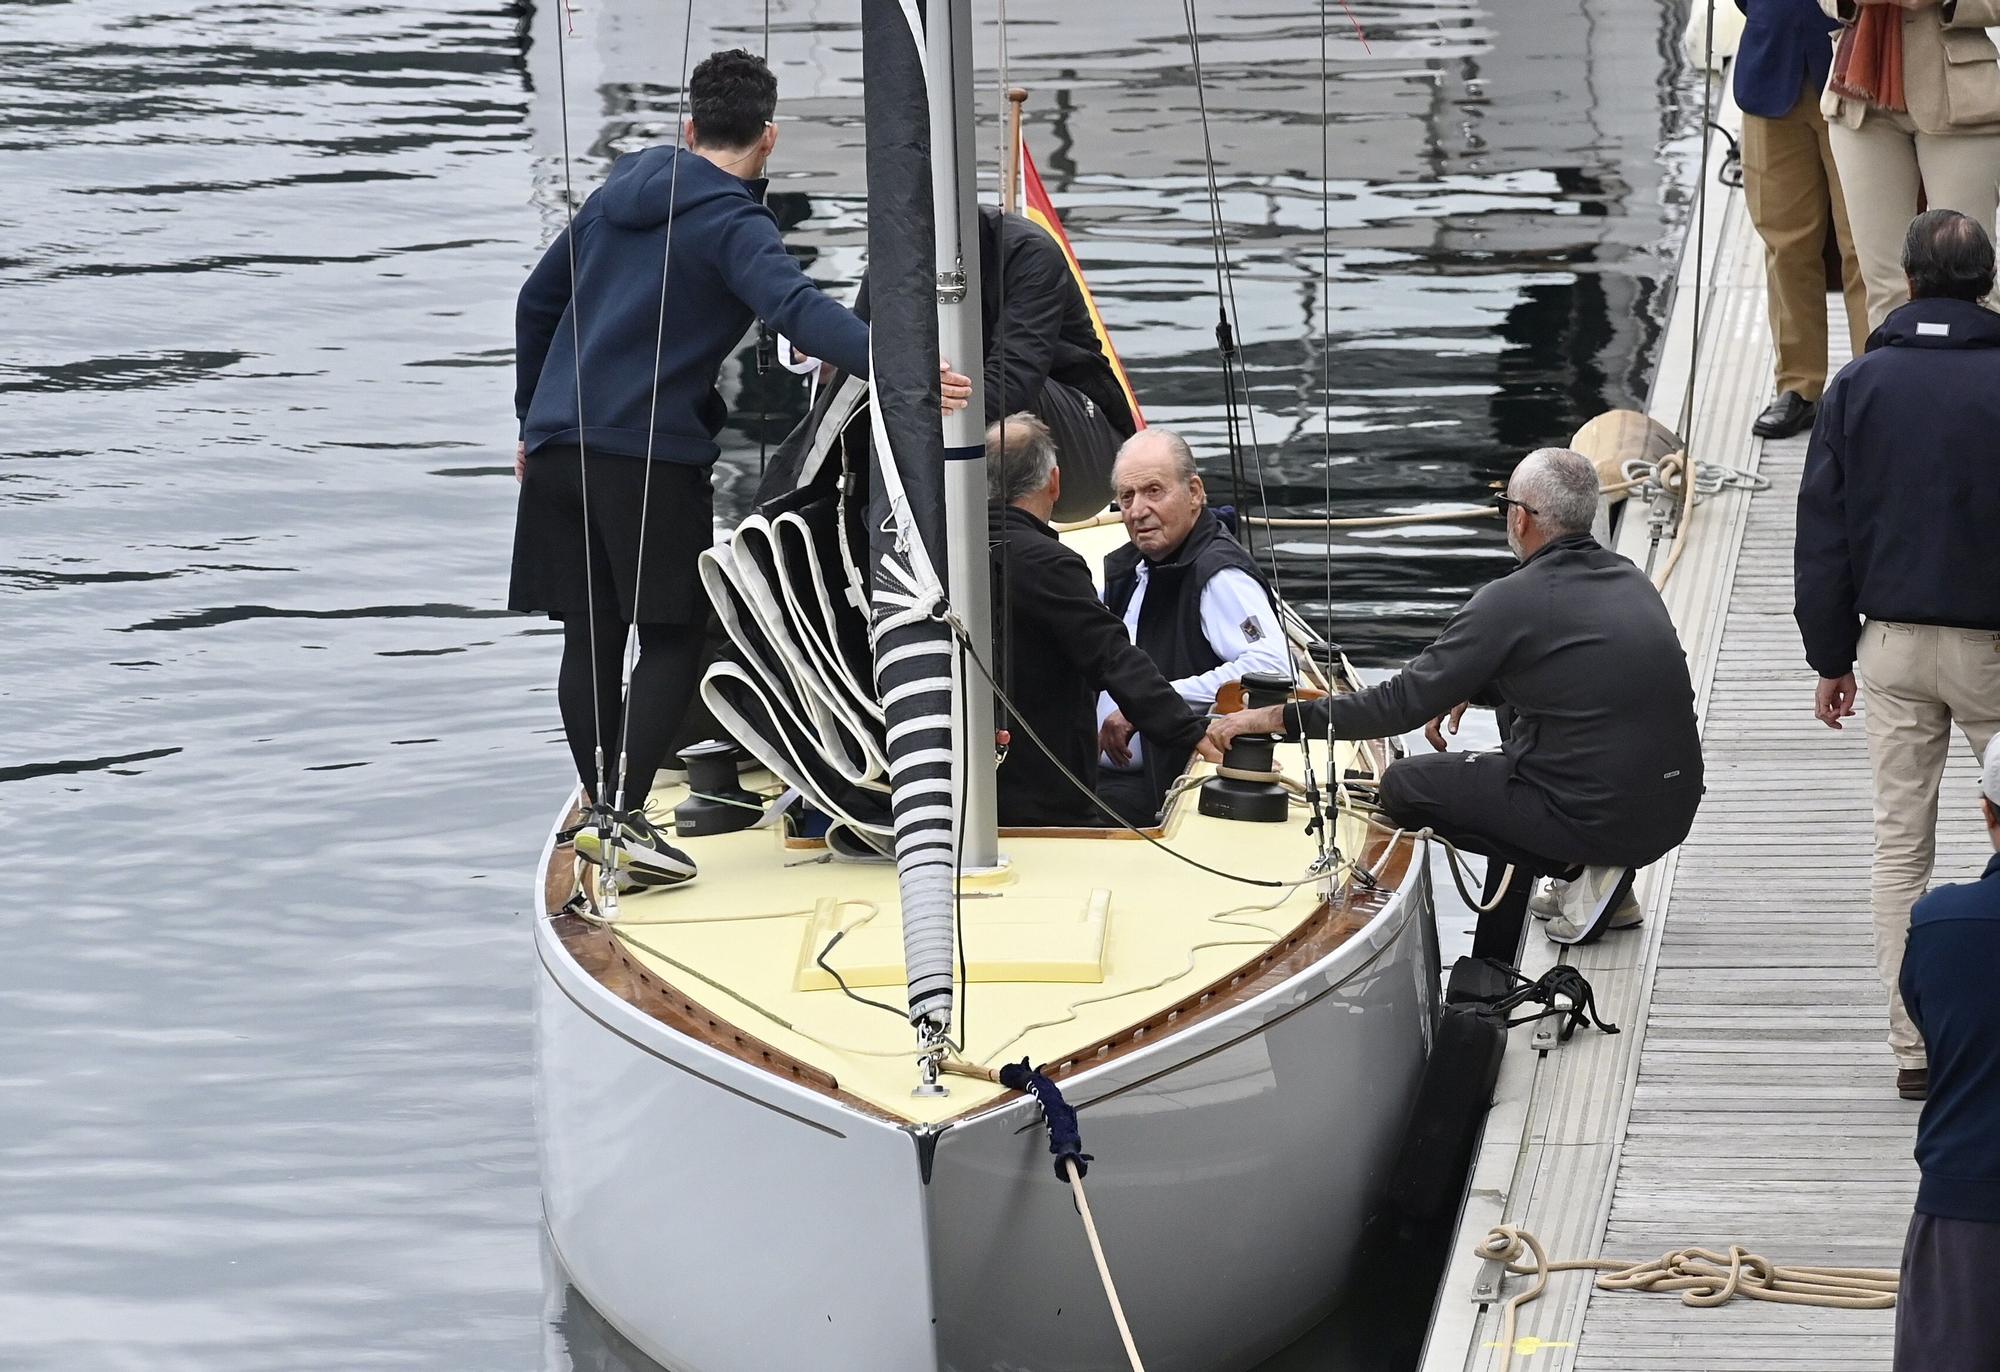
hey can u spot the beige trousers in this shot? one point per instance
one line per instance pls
(1792, 190)
(1917, 681)
(1884, 164)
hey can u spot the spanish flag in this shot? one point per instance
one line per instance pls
(1036, 205)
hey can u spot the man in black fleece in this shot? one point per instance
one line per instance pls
(615, 391)
(1601, 767)
(1897, 511)
(1057, 646)
(1946, 1318)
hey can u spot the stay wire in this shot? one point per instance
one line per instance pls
(601, 796)
(653, 411)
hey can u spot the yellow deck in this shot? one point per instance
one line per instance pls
(1166, 930)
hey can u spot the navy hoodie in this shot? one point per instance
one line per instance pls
(728, 267)
(1948, 975)
(1901, 493)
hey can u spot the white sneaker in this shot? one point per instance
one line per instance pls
(1589, 903)
(1547, 904)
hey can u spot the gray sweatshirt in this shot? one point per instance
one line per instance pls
(1578, 645)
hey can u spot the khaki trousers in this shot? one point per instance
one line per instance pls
(1792, 189)
(1884, 164)
(1917, 681)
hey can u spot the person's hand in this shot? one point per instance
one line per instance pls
(1223, 730)
(1435, 731)
(521, 460)
(956, 390)
(1209, 752)
(1833, 699)
(1114, 739)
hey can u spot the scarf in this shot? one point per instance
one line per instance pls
(1868, 61)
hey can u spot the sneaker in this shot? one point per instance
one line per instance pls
(1588, 903)
(643, 854)
(1547, 904)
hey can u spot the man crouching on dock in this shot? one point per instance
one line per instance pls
(1601, 764)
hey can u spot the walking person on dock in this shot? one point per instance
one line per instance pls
(621, 332)
(1793, 192)
(1912, 105)
(1946, 1317)
(1601, 765)
(1898, 509)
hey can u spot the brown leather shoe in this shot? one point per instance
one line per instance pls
(1913, 1083)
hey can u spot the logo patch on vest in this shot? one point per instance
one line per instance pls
(1930, 330)
(1252, 630)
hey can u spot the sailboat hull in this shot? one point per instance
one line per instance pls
(726, 1219)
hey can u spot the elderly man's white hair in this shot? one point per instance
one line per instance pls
(1020, 454)
(1177, 449)
(1560, 486)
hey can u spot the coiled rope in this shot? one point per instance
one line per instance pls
(1702, 1276)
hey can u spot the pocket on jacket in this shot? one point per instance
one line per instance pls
(1971, 77)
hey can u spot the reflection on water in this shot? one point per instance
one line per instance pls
(271, 757)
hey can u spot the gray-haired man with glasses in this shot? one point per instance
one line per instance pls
(1601, 765)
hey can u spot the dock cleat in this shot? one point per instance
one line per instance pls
(643, 854)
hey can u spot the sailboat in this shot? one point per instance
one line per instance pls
(770, 1135)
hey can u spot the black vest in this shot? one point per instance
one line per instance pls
(1169, 630)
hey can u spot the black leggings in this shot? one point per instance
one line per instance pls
(663, 686)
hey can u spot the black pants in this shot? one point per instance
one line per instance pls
(1476, 801)
(1946, 1317)
(663, 686)
(1088, 445)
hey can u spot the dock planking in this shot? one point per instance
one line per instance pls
(1751, 1098)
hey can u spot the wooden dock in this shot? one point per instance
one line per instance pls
(1750, 1098)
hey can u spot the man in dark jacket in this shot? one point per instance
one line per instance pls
(1043, 355)
(1897, 508)
(1190, 596)
(1793, 192)
(615, 392)
(1057, 647)
(1946, 1317)
(1601, 767)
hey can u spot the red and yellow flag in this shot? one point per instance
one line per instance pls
(1036, 205)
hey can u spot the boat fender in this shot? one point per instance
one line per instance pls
(1065, 1139)
(1450, 1110)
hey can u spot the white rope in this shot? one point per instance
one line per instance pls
(1103, 1268)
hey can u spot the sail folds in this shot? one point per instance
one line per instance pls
(913, 645)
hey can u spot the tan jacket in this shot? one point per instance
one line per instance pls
(1951, 72)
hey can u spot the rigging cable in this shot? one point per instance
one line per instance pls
(599, 797)
(1688, 465)
(652, 419)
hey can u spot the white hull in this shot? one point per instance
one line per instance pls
(726, 1220)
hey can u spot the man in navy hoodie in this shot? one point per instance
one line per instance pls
(1896, 518)
(616, 393)
(1946, 1317)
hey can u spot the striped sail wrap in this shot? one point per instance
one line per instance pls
(913, 645)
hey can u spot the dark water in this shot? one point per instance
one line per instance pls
(272, 759)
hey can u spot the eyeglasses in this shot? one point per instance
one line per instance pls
(1507, 502)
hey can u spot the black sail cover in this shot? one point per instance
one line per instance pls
(913, 645)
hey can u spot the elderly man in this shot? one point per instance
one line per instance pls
(1191, 598)
(1058, 646)
(1946, 1319)
(1601, 767)
(1897, 513)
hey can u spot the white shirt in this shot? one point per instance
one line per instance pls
(1241, 628)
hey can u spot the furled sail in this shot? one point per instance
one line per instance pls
(913, 645)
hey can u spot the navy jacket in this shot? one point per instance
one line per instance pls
(1784, 50)
(1948, 974)
(1901, 493)
(728, 266)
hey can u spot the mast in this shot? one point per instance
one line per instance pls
(968, 568)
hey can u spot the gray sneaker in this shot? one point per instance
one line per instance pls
(1547, 904)
(1589, 904)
